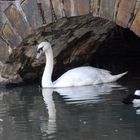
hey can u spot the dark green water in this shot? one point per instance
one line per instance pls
(84, 113)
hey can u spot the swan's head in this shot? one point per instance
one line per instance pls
(42, 47)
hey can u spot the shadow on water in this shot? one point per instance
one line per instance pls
(90, 112)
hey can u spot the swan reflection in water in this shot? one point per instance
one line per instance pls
(86, 94)
(50, 105)
(76, 95)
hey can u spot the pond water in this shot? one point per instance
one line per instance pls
(81, 113)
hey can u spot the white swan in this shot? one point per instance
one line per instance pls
(76, 77)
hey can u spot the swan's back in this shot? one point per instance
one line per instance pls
(83, 76)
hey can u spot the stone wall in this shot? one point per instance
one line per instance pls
(21, 18)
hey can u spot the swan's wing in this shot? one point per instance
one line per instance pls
(79, 76)
(85, 76)
(103, 70)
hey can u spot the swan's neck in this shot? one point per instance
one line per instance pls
(47, 75)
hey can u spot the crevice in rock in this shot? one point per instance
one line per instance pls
(119, 52)
(41, 12)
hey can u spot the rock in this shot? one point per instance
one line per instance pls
(45, 10)
(107, 9)
(13, 39)
(4, 50)
(17, 21)
(9, 74)
(136, 23)
(125, 12)
(32, 13)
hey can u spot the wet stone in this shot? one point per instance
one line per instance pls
(32, 13)
(83, 7)
(0, 18)
(136, 24)
(13, 39)
(125, 11)
(45, 10)
(95, 5)
(17, 21)
(58, 9)
(3, 50)
(76, 7)
(107, 8)
(70, 8)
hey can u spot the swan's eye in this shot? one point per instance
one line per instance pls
(40, 50)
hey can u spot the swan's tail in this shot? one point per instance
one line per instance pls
(118, 76)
